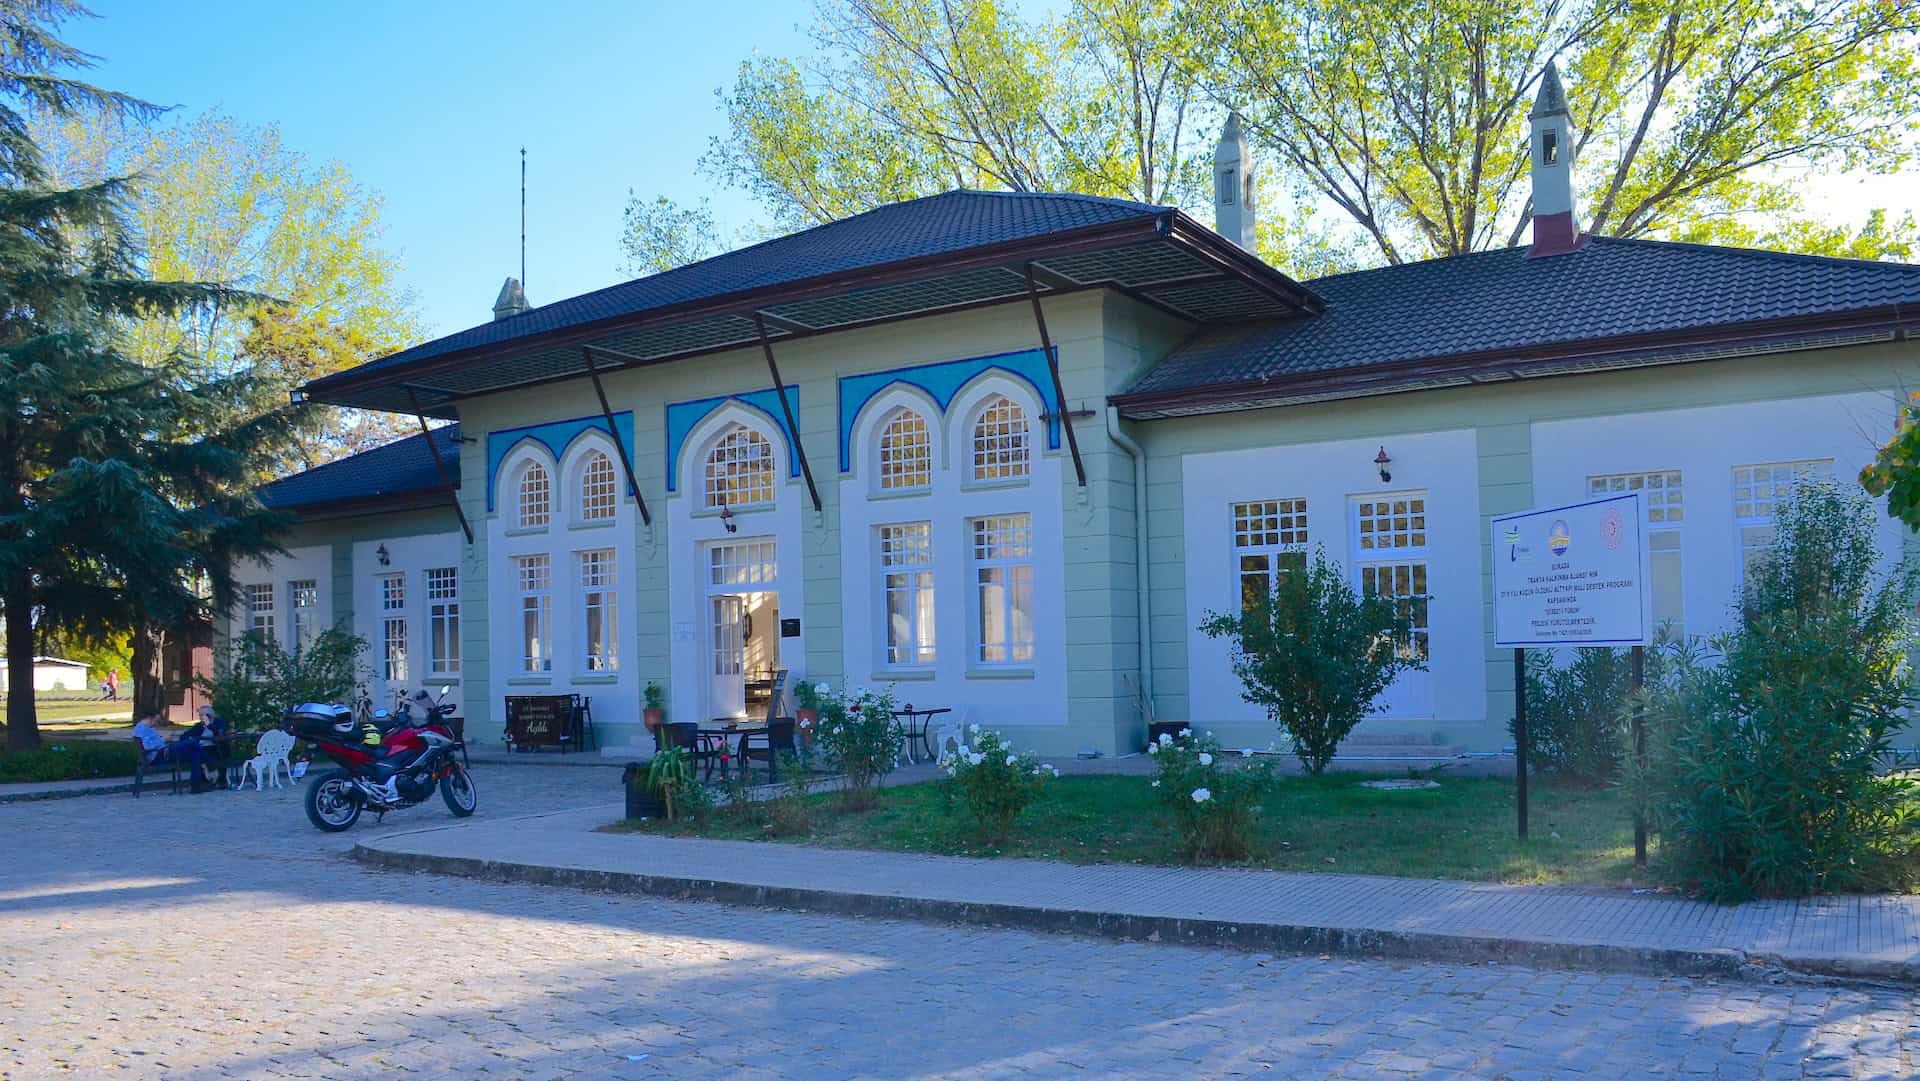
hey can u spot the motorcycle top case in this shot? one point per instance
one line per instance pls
(315, 720)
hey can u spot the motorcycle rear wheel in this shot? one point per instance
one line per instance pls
(457, 789)
(332, 804)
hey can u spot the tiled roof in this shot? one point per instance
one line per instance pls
(951, 222)
(402, 467)
(1499, 301)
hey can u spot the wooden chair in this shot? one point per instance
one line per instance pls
(700, 749)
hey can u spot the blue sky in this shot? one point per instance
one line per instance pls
(429, 102)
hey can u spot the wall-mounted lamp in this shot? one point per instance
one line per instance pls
(726, 519)
(386, 559)
(1382, 461)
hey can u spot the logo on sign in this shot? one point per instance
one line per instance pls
(1557, 539)
(1610, 531)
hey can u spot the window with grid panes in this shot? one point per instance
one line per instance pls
(303, 596)
(533, 577)
(600, 639)
(1392, 522)
(1002, 551)
(741, 563)
(906, 584)
(393, 626)
(1000, 441)
(1269, 540)
(1390, 550)
(906, 452)
(598, 493)
(1758, 491)
(535, 505)
(259, 600)
(739, 469)
(1664, 497)
(443, 620)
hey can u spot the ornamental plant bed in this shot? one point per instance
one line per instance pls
(69, 760)
(1464, 829)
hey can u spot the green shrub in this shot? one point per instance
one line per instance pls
(1762, 768)
(1316, 654)
(1212, 807)
(73, 760)
(1574, 713)
(670, 773)
(993, 784)
(257, 681)
(861, 741)
(790, 814)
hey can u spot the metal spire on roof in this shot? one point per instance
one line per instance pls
(1552, 100)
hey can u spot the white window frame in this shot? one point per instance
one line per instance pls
(259, 600)
(305, 617)
(906, 571)
(533, 579)
(443, 621)
(595, 571)
(903, 454)
(738, 470)
(393, 627)
(533, 495)
(1756, 502)
(1663, 498)
(599, 488)
(1001, 546)
(1407, 527)
(1000, 442)
(1269, 540)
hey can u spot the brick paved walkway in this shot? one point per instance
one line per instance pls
(1872, 936)
(213, 937)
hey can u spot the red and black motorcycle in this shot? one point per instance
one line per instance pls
(381, 768)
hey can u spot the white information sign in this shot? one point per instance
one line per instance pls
(1572, 576)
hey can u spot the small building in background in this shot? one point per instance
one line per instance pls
(52, 674)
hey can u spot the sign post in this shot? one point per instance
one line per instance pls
(1572, 575)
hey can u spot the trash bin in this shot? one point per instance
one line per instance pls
(643, 800)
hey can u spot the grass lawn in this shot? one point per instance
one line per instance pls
(67, 709)
(1462, 830)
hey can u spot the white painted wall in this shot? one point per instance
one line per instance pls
(1705, 445)
(409, 557)
(1443, 465)
(1008, 697)
(315, 562)
(53, 677)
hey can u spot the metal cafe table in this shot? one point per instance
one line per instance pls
(730, 741)
(914, 725)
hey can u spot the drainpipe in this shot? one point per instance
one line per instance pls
(1142, 576)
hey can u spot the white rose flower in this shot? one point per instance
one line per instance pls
(1206, 759)
(976, 758)
(1186, 733)
(1201, 795)
(821, 688)
(1166, 740)
(1156, 784)
(1011, 760)
(1153, 748)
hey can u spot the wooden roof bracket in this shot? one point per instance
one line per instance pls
(786, 406)
(1053, 366)
(439, 467)
(619, 445)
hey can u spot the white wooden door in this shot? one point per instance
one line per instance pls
(729, 693)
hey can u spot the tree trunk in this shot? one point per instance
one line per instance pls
(148, 670)
(23, 724)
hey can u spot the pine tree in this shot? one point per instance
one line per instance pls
(117, 509)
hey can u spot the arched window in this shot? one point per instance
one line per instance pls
(740, 469)
(536, 496)
(1000, 441)
(906, 451)
(597, 490)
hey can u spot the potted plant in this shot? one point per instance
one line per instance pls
(806, 716)
(655, 713)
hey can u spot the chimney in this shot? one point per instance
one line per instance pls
(512, 300)
(1551, 148)
(1233, 186)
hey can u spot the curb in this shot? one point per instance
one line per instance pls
(1257, 937)
(107, 789)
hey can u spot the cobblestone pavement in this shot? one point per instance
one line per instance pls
(220, 936)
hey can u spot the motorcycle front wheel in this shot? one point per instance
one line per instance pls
(457, 789)
(332, 804)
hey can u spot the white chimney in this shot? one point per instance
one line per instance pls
(1233, 186)
(512, 300)
(1551, 148)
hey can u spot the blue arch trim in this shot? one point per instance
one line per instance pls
(555, 435)
(941, 382)
(684, 417)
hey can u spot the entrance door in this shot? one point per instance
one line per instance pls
(729, 657)
(1390, 560)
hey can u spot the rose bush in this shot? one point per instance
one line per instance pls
(860, 739)
(1213, 806)
(993, 783)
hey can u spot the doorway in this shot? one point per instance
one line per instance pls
(743, 625)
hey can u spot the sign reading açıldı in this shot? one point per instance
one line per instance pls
(1574, 575)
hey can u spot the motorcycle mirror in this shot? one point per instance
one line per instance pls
(444, 688)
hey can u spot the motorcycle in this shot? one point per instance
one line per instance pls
(382, 768)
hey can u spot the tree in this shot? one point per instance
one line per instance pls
(1316, 654)
(124, 490)
(219, 200)
(1411, 117)
(662, 234)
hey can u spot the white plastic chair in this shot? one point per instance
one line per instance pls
(269, 758)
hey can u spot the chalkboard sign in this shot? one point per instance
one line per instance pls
(540, 720)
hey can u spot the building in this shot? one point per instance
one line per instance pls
(1005, 451)
(52, 674)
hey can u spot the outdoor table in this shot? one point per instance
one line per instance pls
(917, 723)
(725, 733)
